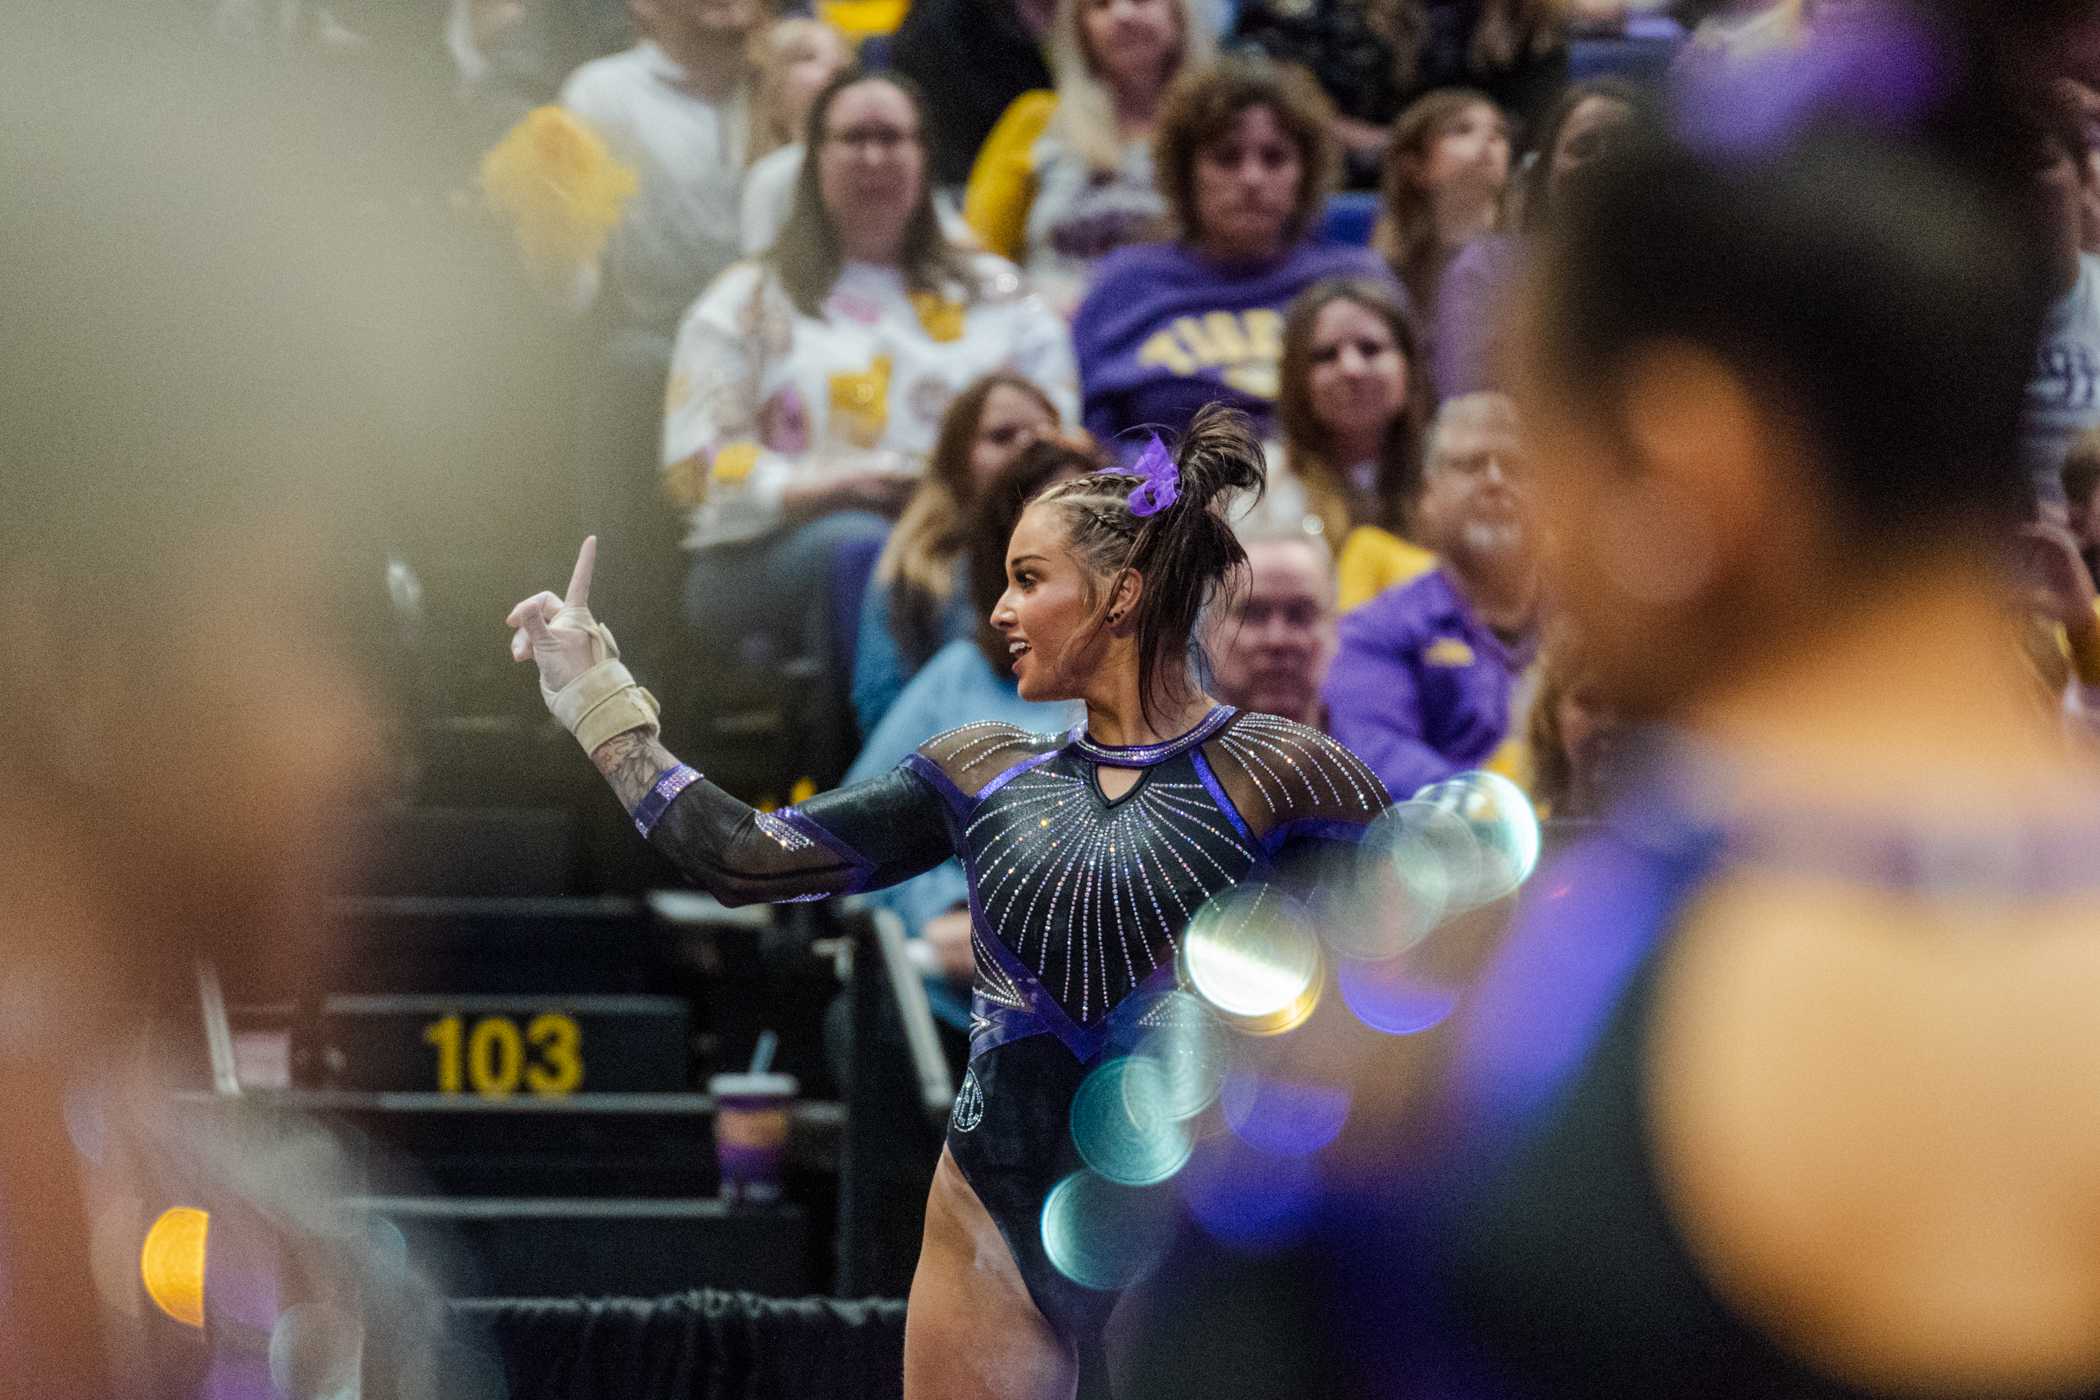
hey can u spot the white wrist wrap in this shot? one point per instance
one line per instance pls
(604, 701)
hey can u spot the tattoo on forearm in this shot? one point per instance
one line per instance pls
(630, 762)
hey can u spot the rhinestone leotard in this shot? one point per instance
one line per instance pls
(1078, 901)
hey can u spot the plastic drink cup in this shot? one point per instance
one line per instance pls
(751, 1129)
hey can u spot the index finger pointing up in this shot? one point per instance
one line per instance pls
(579, 594)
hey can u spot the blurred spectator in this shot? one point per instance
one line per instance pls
(2084, 103)
(1479, 280)
(502, 61)
(2060, 632)
(1375, 56)
(808, 386)
(226, 313)
(1245, 160)
(1574, 737)
(1445, 174)
(1273, 639)
(676, 108)
(1737, 31)
(972, 59)
(1351, 409)
(795, 58)
(2082, 496)
(2063, 397)
(1066, 176)
(509, 56)
(968, 680)
(920, 598)
(1422, 686)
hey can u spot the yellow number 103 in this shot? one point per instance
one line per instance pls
(490, 1057)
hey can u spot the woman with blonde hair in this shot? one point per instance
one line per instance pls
(1066, 176)
(1446, 170)
(919, 599)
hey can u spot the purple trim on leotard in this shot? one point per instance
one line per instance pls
(657, 800)
(1151, 755)
(1034, 761)
(1226, 805)
(1311, 829)
(2039, 861)
(1042, 1012)
(1594, 918)
(864, 869)
(959, 802)
(1002, 1025)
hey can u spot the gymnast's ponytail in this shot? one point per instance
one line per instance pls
(1166, 519)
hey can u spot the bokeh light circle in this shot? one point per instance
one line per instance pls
(1288, 1117)
(1250, 1199)
(171, 1263)
(1391, 997)
(1103, 1235)
(1123, 1125)
(1420, 864)
(1251, 955)
(1181, 1057)
(1503, 824)
(315, 1351)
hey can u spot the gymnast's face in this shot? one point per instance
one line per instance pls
(1048, 612)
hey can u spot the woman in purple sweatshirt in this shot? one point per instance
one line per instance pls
(1244, 162)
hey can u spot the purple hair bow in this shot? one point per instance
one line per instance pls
(1161, 484)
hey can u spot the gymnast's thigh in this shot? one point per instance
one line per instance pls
(972, 1330)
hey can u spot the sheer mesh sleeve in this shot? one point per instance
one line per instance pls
(861, 837)
(1290, 780)
(1306, 800)
(970, 759)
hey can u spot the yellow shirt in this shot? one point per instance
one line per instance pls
(1372, 560)
(1002, 182)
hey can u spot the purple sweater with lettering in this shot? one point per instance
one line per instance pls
(1166, 330)
(1421, 688)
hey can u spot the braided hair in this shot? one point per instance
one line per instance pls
(1186, 552)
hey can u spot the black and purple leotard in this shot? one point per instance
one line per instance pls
(1078, 901)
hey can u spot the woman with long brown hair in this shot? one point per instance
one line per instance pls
(808, 385)
(1351, 407)
(1446, 171)
(918, 600)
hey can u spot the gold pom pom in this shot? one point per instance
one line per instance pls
(560, 186)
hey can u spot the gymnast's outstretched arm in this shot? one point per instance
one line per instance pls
(865, 836)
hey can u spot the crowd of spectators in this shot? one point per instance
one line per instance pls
(869, 292)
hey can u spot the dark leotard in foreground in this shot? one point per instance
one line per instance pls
(1537, 1255)
(1078, 902)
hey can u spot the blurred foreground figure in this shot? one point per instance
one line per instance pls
(1781, 1084)
(210, 364)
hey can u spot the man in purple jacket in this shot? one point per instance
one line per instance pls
(1422, 686)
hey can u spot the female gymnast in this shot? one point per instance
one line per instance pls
(1787, 1088)
(1783, 1083)
(1086, 853)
